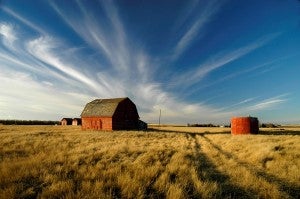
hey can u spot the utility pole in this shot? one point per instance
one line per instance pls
(159, 117)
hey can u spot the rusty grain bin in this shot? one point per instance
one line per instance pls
(244, 125)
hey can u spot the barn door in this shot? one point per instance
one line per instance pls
(99, 124)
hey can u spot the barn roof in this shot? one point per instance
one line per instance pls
(101, 107)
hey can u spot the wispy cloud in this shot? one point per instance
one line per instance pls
(187, 12)
(269, 103)
(254, 106)
(36, 99)
(220, 60)
(250, 71)
(196, 28)
(50, 73)
(23, 20)
(32, 91)
(87, 29)
(267, 66)
(43, 49)
(235, 105)
(112, 43)
(49, 55)
(15, 57)
(6, 30)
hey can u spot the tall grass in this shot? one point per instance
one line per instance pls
(65, 162)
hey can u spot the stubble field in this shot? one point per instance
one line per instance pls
(165, 162)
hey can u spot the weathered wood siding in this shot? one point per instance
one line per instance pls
(97, 123)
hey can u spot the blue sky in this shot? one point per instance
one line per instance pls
(196, 61)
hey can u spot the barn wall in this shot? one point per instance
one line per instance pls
(96, 123)
(254, 125)
(76, 122)
(63, 122)
(125, 116)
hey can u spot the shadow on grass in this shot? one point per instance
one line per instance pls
(207, 171)
(291, 189)
(207, 166)
(29, 187)
(150, 190)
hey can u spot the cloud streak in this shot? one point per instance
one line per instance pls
(220, 60)
(23, 20)
(112, 43)
(6, 30)
(35, 99)
(43, 49)
(269, 103)
(196, 28)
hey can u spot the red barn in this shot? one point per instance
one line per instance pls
(110, 114)
(76, 121)
(66, 121)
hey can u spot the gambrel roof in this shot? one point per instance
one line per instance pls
(101, 107)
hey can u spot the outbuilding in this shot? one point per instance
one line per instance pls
(76, 121)
(110, 114)
(66, 121)
(244, 125)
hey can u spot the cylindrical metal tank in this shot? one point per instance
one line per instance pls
(244, 125)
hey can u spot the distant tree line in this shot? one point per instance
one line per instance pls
(269, 125)
(28, 122)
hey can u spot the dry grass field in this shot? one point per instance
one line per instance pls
(165, 162)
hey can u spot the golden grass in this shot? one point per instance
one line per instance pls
(166, 162)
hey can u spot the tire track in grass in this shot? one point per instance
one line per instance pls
(113, 189)
(207, 171)
(289, 189)
(145, 169)
(150, 190)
